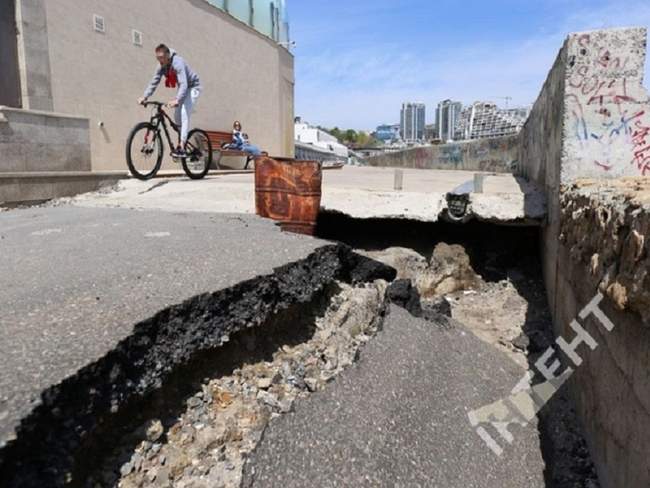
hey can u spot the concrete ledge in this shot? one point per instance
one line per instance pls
(20, 187)
(56, 115)
(64, 174)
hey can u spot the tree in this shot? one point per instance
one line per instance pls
(351, 137)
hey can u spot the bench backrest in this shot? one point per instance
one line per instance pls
(218, 138)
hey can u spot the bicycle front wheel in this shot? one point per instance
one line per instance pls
(198, 154)
(144, 151)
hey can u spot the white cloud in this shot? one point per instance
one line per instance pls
(365, 86)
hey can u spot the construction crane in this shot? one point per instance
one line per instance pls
(507, 99)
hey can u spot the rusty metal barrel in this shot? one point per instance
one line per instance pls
(289, 191)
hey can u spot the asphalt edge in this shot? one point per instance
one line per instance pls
(50, 440)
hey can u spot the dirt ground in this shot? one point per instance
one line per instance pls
(503, 302)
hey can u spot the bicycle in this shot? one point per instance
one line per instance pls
(144, 147)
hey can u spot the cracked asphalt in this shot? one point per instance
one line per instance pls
(75, 281)
(398, 418)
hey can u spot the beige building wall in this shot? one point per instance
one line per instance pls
(245, 75)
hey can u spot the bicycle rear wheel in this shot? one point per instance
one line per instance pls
(198, 150)
(144, 151)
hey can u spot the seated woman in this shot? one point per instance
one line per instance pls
(240, 141)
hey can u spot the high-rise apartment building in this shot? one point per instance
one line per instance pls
(447, 116)
(412, 121)
(485, 120)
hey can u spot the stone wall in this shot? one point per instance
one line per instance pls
(498, 155)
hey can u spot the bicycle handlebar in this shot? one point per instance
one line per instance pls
(157, 104)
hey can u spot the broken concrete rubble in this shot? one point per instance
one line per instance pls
(605, 225)
(448, 270)
(225, 420)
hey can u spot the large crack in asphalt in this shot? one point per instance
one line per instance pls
(53, 445)
(499, 295)
(205, 437)
(188, 395)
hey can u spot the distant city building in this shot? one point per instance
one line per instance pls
(412, 121)
(397, 129)
(485, 120)
(387, 133)
(431, 132)
(447, 116)
(314, 143)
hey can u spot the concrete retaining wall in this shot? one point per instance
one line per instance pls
(540, 153)
(604, 250)
(592, 119)
(43, 141)
(499, 155)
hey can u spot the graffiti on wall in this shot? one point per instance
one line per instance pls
(421, 158)
(451, 154)
(498, 155)
(607, 117)
(641, 143)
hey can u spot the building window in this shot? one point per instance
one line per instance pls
(266, 16)
(98, 24)
(137, 38)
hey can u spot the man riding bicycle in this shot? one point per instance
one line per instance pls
(177, 73)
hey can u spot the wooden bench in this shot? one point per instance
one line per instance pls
(218, 139)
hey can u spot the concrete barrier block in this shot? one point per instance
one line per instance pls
(42, 141)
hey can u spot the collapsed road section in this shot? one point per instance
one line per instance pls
(208, 383)
(88, 335)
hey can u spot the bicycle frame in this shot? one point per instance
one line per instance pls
(161, 118)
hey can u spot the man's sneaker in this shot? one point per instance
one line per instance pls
(178, 153)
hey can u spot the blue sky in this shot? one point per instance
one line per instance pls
(357, 60)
